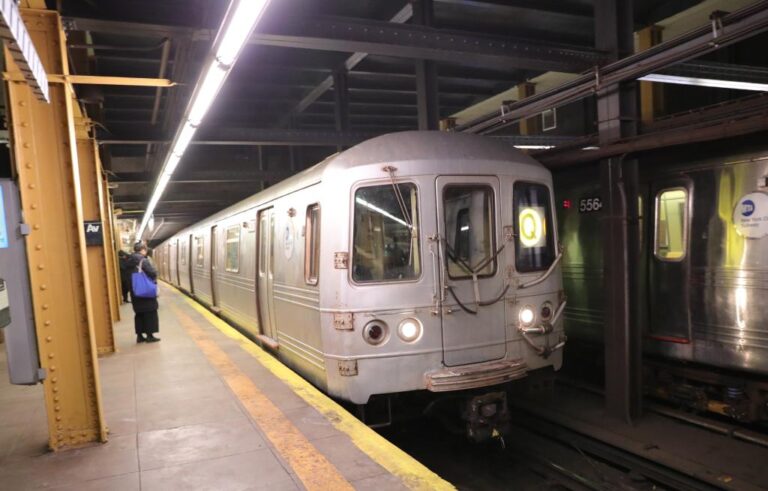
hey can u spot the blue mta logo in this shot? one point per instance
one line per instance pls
(747, 207)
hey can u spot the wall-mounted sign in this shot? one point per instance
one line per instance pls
(93, 233)
(750, 217)
(588, 205)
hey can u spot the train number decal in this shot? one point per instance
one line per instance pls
(588, 205)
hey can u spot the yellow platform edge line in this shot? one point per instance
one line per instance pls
(413, 473)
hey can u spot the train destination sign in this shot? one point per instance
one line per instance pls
(750, 217)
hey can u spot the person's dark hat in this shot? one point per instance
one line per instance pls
(138, 247)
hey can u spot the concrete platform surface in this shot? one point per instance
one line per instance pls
(203, 409)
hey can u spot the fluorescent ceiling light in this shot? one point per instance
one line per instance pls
(184, 138)
(239, 21)
(206, 93)
(247, 14)
(534, 147)
(705, 82)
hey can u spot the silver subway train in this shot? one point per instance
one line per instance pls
(703, 275)
(415, 261)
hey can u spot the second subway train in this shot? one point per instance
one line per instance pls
(416, 261)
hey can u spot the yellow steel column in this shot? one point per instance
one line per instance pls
(651, 94)
(98, 267)
(116, 236)
(45, 156)
(110, 251)
(529, 126)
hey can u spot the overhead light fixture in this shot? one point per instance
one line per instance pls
(534, 147)
(705, 82)
(235, 30)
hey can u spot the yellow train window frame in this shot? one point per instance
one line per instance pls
(670, 243)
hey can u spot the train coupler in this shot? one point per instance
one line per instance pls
(487, 417)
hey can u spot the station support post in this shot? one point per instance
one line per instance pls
(98, 266)
(110, 245)
(45, 157)
(618, 118)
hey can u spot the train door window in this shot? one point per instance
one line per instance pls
(469, 224)
(233, 249)
(184, 254)
(386, 233)
(671, 219)
(312, 245)
(263, 243)
(199, 251)
(533, 226)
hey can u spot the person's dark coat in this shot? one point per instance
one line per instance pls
(142, 304)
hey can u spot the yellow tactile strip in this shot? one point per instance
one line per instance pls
(309, 464)
(398, 463)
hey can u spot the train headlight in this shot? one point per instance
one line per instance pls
(375, 332)
(527, 316)
(409, 330)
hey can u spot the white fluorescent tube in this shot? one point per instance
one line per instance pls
(206, 93)
(705, 82)
(247, 14)
(171, 164)
(534, 147)
(184, 138)
(239, 21)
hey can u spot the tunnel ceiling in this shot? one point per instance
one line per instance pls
(275, 114)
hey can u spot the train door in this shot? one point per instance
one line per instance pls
(467, 220)
(190, 270)
(178, 262)
(670, 269)
(214, 264)
(265, 271)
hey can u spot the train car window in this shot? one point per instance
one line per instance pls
(233, 249)
(312, 245)
(671, 218)
(386, 234)
(200, 252)
(469, 225)
(184, 254)
(533, 225)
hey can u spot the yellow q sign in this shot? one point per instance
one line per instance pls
(532, 228)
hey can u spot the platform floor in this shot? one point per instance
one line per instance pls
(202, 409)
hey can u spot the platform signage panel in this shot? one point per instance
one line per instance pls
(93, 233)
(3, 228)
(750, 217)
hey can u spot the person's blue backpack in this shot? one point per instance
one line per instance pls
(143, 286)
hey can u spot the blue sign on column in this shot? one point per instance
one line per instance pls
(3, 228)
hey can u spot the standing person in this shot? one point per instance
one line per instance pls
(146, 321)
(125, 274)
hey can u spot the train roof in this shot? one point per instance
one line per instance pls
(389, 148)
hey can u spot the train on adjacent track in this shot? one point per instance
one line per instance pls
(413, 262)
(702, 277)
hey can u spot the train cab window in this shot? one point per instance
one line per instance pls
(386, 233)
(671, 218)
(312, 245)
(533, 226)
(232, 263)
(469, 218)
(199, 251)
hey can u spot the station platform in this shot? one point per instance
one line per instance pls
(203, 409)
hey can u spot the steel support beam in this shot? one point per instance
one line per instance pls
(617, 118)
(426, 73)
(110, 244)
(737, 26)
(425, 43)
(97, 265)
(45, 155)
(341, 100)
(350, 63)
(263, 137)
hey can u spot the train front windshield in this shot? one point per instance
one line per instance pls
(386, 234)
